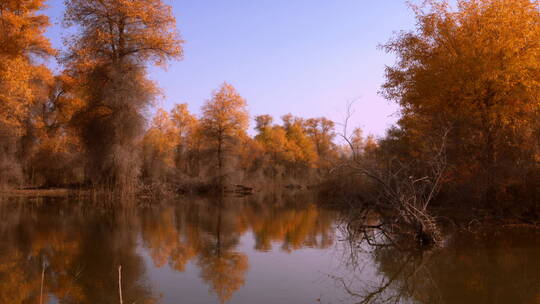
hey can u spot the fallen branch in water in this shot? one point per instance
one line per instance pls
(399, 189)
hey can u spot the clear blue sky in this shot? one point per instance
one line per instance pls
(306, 57)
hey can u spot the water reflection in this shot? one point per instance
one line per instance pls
(209, 230)
(73, 249)
(53, 252)
(493, 266)
(260, 249)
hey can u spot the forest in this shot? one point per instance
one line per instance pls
(109, 196)
(466, 79)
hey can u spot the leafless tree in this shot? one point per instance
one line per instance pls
(400, 187)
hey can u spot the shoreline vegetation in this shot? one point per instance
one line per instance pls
(467, 80)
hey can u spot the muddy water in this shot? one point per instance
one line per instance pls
(259, 249)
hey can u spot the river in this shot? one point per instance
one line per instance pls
(272, 248)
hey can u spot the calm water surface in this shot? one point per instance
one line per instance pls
(259, 249)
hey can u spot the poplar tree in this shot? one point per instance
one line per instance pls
(116, 40)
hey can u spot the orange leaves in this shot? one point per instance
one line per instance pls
(297, 145)
(108, 56)
(224, 121)
(162, 138)
(118, 29)
(170, 139)
(475, 70)
(225, 114)
(185, 123)
(15, 92)
(21, 37)
(274, 141)
(22, 29)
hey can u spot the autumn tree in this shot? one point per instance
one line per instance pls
(298, 145)
(474, 71)
(274, 142)
(263, 123)
(21, 43)
(188, 146)
(322, 133)
(108, 55)
(171, 145)
(159, 144)
(224, 122)
(301, 148)
(50, 146)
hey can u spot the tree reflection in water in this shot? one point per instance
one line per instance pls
(78, 250)
(208, 231)
(491, 266)
(79, 246)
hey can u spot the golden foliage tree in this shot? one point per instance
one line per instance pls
(116, 39)
(273, 140)
(321, 131)
(21, 42)
(112, 31)
(159, 145)
(50, 147)
(224, 122)
(189, 140)
(300, 147)
(475, 71)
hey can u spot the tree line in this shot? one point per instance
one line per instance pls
(87, 125)
(467, 80)
(180, 147)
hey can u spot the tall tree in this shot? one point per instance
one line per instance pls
(300, 147)
(273, 140)
(21, 40)
(50, 148)
(159, 145)
(112, 31)
(188, 146)
(321, 131)
(473, 70)
(224, 121)
(108, 55)
(21, 43)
